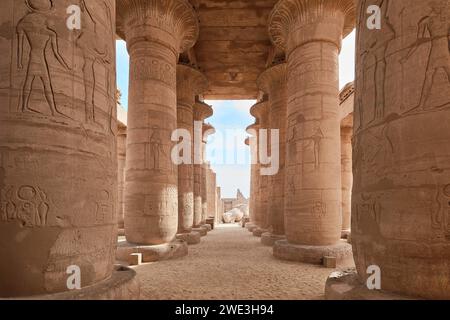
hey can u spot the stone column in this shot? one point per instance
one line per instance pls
(311, 32)
(261, 112)
(251, 142)
(401, 150)
(58, 160)
(201, 112)
(346, 178)
(273, 83)
(155, 32)
(121, 157)
(190, 82)
(207, 130)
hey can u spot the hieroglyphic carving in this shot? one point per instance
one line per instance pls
(435, 29)
(35, 28)
(27, 204)
(155, 69)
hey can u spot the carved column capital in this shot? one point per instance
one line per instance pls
(208, 130)
(202, 111)
(190, 82)
(273, 78)
(260, 111)
(172, 22)
(296, 22)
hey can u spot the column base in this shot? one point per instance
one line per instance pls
(207, 226)
(269, 239)
(121, 232)
(259, 231)
(210, 221)
(250, 226)
(345, 234)
(191, 238)
(341, 252)
(202, 230)
(345, 285)
(123, 285)
(172, 250)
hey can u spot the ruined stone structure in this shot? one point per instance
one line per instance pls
(71, 174)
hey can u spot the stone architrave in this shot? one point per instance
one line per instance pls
(58, 161)
(156, 32)
(401, 150)
(190, 82)
(273, 83)
(311, 33)
(202, 111)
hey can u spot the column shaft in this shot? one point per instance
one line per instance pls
(346, 176)
(58, 162)
(156, 32)
(401, 154)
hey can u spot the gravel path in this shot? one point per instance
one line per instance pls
(230, 263)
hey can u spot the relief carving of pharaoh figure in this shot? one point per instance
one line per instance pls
(95, 50)
(434, 28)
(35, 28)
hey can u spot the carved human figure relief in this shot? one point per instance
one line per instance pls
(378, 50)
(95, 51)
(34, 28)
(435, 29)
(104, 212)
(155, 149)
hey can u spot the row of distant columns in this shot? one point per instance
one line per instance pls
(163, 199)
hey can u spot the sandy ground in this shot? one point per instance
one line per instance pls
(230, 263)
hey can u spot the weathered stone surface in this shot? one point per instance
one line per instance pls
(155, 32)
(121, 156)
(58, 162)
(401, 192)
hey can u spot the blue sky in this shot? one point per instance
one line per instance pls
(231, 115)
